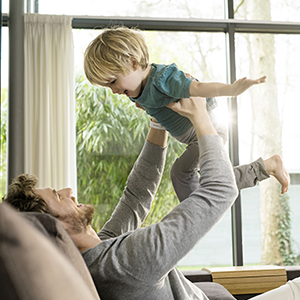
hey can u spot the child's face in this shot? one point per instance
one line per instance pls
(129, 85)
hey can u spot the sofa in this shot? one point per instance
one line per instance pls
(39, 261)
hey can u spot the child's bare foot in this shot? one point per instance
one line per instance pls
(275, 167)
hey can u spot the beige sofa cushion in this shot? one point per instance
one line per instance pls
(53, 228)
(31, 265)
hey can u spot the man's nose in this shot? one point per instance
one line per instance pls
(66, 191)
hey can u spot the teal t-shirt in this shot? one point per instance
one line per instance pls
(166, 84)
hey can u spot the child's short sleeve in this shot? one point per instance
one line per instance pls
(172, 82)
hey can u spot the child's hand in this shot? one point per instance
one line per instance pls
(243, 84)
(188, 75)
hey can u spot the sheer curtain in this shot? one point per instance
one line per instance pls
(50, 136)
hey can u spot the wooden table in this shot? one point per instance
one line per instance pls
(249, 280)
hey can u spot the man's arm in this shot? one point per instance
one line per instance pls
(216, 89)
(156, 249)
(141, 187)
(157, 137)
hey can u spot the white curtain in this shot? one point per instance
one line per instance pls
(50, 137)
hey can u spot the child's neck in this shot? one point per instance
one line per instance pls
(146, 72)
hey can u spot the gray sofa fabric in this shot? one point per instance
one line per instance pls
(214, 291)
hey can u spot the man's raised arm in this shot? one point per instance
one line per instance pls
(141, 187)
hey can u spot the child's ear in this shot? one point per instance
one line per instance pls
(134, 63)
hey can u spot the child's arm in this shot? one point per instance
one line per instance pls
(215, 89)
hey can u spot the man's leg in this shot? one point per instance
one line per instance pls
(288, 291)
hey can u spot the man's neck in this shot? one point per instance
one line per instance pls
(86, 240)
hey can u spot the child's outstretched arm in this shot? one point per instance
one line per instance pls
(216, 89)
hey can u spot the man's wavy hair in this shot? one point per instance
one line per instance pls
(21, 195)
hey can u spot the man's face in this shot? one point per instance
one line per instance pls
(75, 217)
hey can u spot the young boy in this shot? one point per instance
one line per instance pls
(119, 59)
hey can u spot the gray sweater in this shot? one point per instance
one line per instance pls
(140, 263)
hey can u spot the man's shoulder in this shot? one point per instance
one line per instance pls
(107, 245)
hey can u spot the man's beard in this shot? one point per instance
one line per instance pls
(79, 221)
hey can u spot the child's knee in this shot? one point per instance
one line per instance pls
(223, 134)
(181, 174)
(175, 170)
(220, 127)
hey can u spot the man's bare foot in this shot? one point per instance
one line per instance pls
(275, 167)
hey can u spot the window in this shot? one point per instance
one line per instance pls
(202, 55)
(272, 10)
(267, 126)
(5, 5)
(213, 9)
(4, 85)
(209, 47)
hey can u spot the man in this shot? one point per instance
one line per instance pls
(130, 262)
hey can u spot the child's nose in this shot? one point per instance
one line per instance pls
(114, 90)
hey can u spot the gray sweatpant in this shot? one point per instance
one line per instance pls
(184, 172)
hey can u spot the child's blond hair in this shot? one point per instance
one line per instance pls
(114, 51)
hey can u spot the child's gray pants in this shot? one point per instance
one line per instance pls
(184, 172)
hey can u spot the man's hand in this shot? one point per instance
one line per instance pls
(138, 106)
(194, 108)
(243, 84)
(189, 107)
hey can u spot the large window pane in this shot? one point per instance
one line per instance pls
(214, 249)
(200, 54)
(4, 85)
(213, 9)
(267, 10)
(268, 125)
(5, 6)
